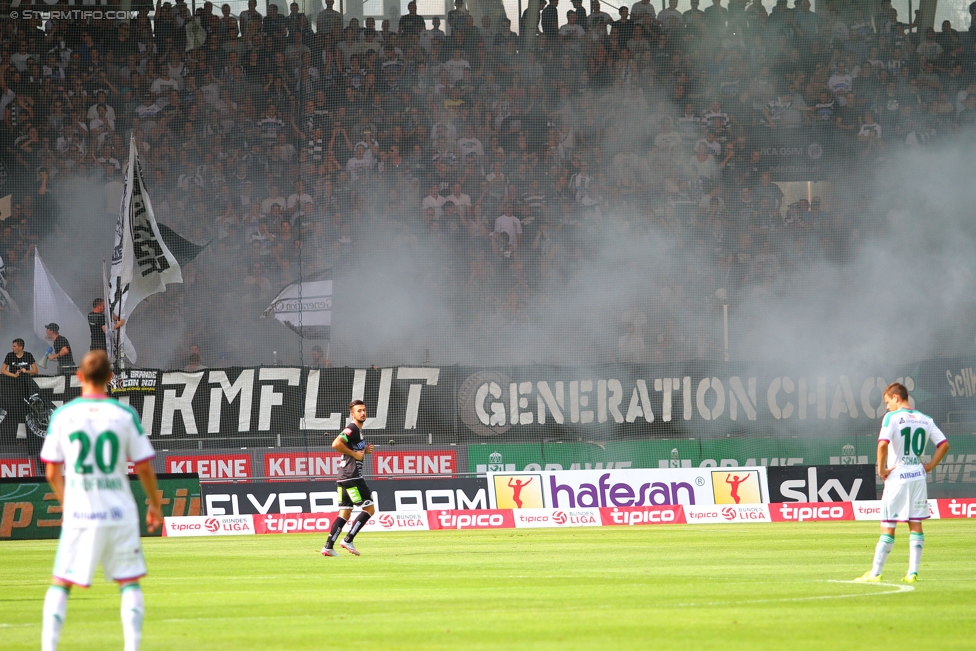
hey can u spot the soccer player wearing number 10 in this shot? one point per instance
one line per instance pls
(904, 433)
(92, 438)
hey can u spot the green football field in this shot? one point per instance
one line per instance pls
(772, 586)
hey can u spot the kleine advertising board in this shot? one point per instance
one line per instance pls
(211, 467)
(628, 487)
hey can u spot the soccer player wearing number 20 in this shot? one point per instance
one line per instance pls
(93, 437)
(904, 433)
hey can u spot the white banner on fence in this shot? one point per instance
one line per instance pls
(539, 518)
(214, 525)
(871, 510)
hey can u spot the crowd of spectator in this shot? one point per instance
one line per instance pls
(503, 161)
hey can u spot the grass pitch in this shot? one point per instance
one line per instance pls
(772, 586)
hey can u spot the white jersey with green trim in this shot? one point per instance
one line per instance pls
(95, 438)
(907, 432)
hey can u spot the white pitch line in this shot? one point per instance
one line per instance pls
(897, 589)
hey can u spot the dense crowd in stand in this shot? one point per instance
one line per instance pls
(502, 163)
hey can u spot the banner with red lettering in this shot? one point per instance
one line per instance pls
(538, 518)
(447, 519)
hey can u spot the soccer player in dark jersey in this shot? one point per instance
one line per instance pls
(350, 484)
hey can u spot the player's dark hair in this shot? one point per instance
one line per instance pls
(896, 389)
(354, 403)
(95, 367)
(97, 302)
(19, 342)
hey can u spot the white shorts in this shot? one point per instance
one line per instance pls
(905, 502)
(117, 549)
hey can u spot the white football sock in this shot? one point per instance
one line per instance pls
(915, 543)
(55, 611)
(881, 551)
(132, 611)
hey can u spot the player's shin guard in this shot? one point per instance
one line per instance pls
(132, 611)
(335, 531)
(915, 543)
(55, 611)
(357, 524)
(881, 551)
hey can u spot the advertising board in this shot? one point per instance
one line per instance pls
(627, 487)
(30, 511)
(845, 483)
(320, 496)
(531, 518)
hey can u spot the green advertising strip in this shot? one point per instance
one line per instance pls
(29, 510)
(959, 465)
(534, 456)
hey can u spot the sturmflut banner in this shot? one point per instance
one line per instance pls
(689, 406)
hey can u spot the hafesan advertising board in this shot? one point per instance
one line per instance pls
(581, 489)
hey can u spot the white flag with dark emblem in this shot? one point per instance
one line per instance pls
(305, 306)
(142, 265)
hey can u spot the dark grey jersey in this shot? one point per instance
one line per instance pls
(351, 468)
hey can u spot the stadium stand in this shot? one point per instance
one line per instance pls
(499, 161)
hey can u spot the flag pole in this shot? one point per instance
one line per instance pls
(116, 335)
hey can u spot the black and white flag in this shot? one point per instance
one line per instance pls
(142, 264)
(305, 306)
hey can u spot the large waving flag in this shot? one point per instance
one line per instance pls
(183, 250)
(53, 305)
(142, 264)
